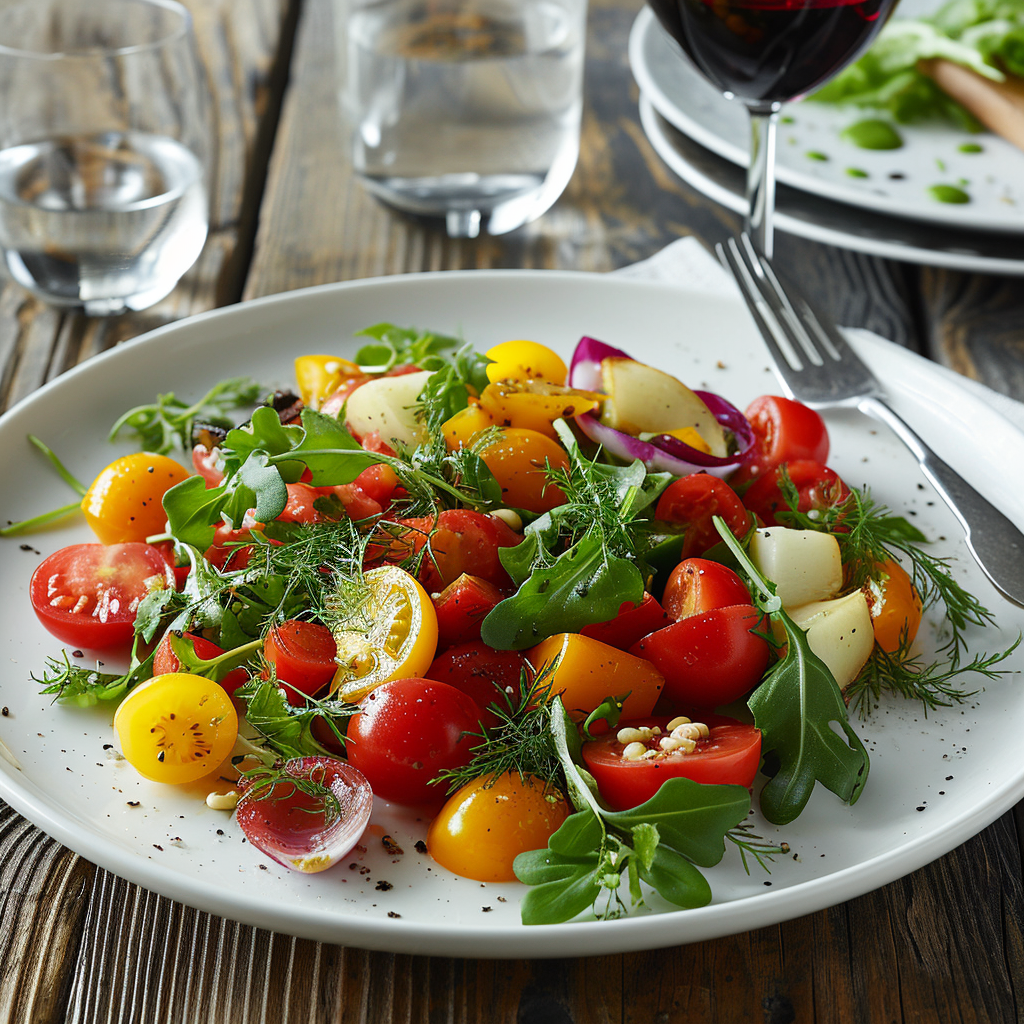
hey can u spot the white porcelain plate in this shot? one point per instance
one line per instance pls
(934, 782)
(813, 156)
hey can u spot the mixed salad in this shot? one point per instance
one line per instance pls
(580, 614)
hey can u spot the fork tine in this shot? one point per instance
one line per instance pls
(776, 339)
(801, 313)
(730, 257)
(782, 307)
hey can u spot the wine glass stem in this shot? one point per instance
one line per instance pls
(761, 176)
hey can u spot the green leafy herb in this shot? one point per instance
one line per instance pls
(794, 707)
(287, 730)
(661, 842)
(85, 687)
(167, 423)
(396, 346)
(577, 563)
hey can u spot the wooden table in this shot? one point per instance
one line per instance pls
(79, 945)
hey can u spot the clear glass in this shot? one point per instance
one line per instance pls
(104, 148)
(467, 110)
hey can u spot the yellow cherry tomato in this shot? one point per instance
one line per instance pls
(390, 633)
(525, 360)
(535, 405)
(176, 728)
(487, 823)
(690, 436)
(460, 430)
(123, 503)
(586, 671)
(895, 606)
(320, 376)
(519, 461)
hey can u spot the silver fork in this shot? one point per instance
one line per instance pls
(817, 366)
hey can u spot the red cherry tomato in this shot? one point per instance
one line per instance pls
(86, 595)
(461, 608)
(302, 654)
(730, 755)
(408, 732)
(229, 549)
(784, 431)
(206, 463)
(708, 659)
(299, 507)
(691, 501)
(631, 624)
(698, 585)
(817, 485)
(165, 660)
(484, 674)
(461, 541)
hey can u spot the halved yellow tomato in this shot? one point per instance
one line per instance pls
(320, 376)
(390, 632)
(123, 503)
(525, 360)
(487, 823)
(519, 461)
(176, 728)
(535, 404)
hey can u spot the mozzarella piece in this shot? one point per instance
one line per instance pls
(839, 632)
(388, 405)
(643, 400)
(804, 565)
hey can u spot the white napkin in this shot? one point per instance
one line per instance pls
(686, 260)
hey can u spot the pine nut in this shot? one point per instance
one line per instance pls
(676, 722)
(629, 735)
(509, 518)
(634, 752)
(223, 801)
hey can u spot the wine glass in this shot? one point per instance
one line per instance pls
(765, 53)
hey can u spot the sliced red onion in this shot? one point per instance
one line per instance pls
(294, 828)
(662, 453)
(585, 368)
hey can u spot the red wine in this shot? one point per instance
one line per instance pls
(769, 51)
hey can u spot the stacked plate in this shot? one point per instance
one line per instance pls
(883, 202)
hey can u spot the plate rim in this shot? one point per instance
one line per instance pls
(479, 941)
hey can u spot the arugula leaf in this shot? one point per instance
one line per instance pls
(264, 433)
(794, 707)
(583, 585)
(332, 455)
(193, 511)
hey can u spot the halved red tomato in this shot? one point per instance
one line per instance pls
(709, 659)
(633, 622)
(461, 607)
(697, 585)
(818, 487)
(87, 595)
(730, 755)
(692, 501)
(302, 654)
(784, 431)
(166, 661)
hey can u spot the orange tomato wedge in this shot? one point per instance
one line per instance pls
(389, 633)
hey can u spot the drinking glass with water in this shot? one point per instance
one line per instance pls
(463, 109)
(104, 145)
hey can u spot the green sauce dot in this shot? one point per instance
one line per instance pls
(815, 155)
(786, 120)
(948, 194)
(872, 134)
(971, 147)
(856, 172)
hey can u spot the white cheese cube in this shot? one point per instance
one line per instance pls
(804, 565)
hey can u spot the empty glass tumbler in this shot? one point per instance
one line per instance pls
(463, 109)
(104, 145)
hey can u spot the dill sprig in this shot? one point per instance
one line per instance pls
(936, 685)
(521, 742)
(749, 843)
